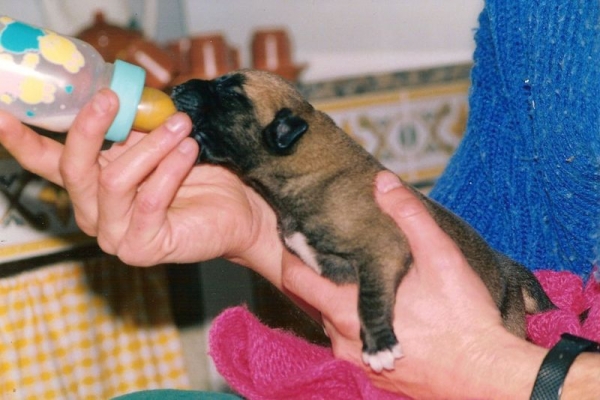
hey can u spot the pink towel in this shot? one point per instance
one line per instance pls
(263, 363)
(572, 298)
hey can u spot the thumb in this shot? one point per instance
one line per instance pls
(403, 205)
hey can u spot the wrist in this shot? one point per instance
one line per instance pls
(506, 369)
(570, 370)
(261, 249)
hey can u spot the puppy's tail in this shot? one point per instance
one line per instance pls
(536, 299)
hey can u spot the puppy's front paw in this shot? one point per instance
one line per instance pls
(383, 359)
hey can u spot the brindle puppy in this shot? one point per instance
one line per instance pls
(320, 184)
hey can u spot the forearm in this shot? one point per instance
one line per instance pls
(264, 251)
(269, 260)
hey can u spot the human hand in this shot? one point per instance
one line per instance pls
(144, 199)
(450, 330)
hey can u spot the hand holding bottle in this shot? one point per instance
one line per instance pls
(145, 199)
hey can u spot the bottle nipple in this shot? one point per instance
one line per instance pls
(154, 108)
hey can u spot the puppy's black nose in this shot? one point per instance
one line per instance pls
(190, 97)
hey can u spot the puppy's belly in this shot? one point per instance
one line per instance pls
(298, 244)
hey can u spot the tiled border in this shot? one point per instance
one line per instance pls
(331, 89)
(411, 121)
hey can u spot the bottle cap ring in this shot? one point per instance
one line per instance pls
(127, 82)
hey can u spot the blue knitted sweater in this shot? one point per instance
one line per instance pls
(527, 173)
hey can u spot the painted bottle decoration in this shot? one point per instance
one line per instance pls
(45, 79)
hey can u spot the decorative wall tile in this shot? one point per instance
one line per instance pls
(411, 121)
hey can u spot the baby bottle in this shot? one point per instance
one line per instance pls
(45, 79)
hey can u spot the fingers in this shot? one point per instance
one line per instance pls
(149, 214)
(86, 135)
(79, 163)
(34, 152)
(121, 179)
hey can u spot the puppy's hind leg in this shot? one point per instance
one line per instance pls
(377, 294)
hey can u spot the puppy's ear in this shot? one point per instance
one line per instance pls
(284, 131)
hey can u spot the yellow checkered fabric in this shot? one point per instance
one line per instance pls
(87, 331)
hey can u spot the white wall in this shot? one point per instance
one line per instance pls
(343, 25)
(334, 36)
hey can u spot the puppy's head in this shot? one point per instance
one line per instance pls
(242, 118)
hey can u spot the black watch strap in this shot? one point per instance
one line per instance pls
(551, 376)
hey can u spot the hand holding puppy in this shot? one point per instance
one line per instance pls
(455, 345)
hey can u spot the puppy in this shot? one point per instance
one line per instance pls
(320, 184)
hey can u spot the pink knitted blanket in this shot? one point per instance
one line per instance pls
(572, 298)
(263, 363)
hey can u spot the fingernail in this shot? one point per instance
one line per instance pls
(176, 123)
(187, 146)
(387, 181)
(101, 103)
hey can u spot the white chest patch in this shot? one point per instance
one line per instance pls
(297, 242)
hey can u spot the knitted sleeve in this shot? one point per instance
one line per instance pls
(527, 173)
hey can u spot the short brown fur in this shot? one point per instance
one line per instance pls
(321, 185)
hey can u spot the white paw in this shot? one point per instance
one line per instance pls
(383, 359)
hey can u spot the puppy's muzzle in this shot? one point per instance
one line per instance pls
(192, 97)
